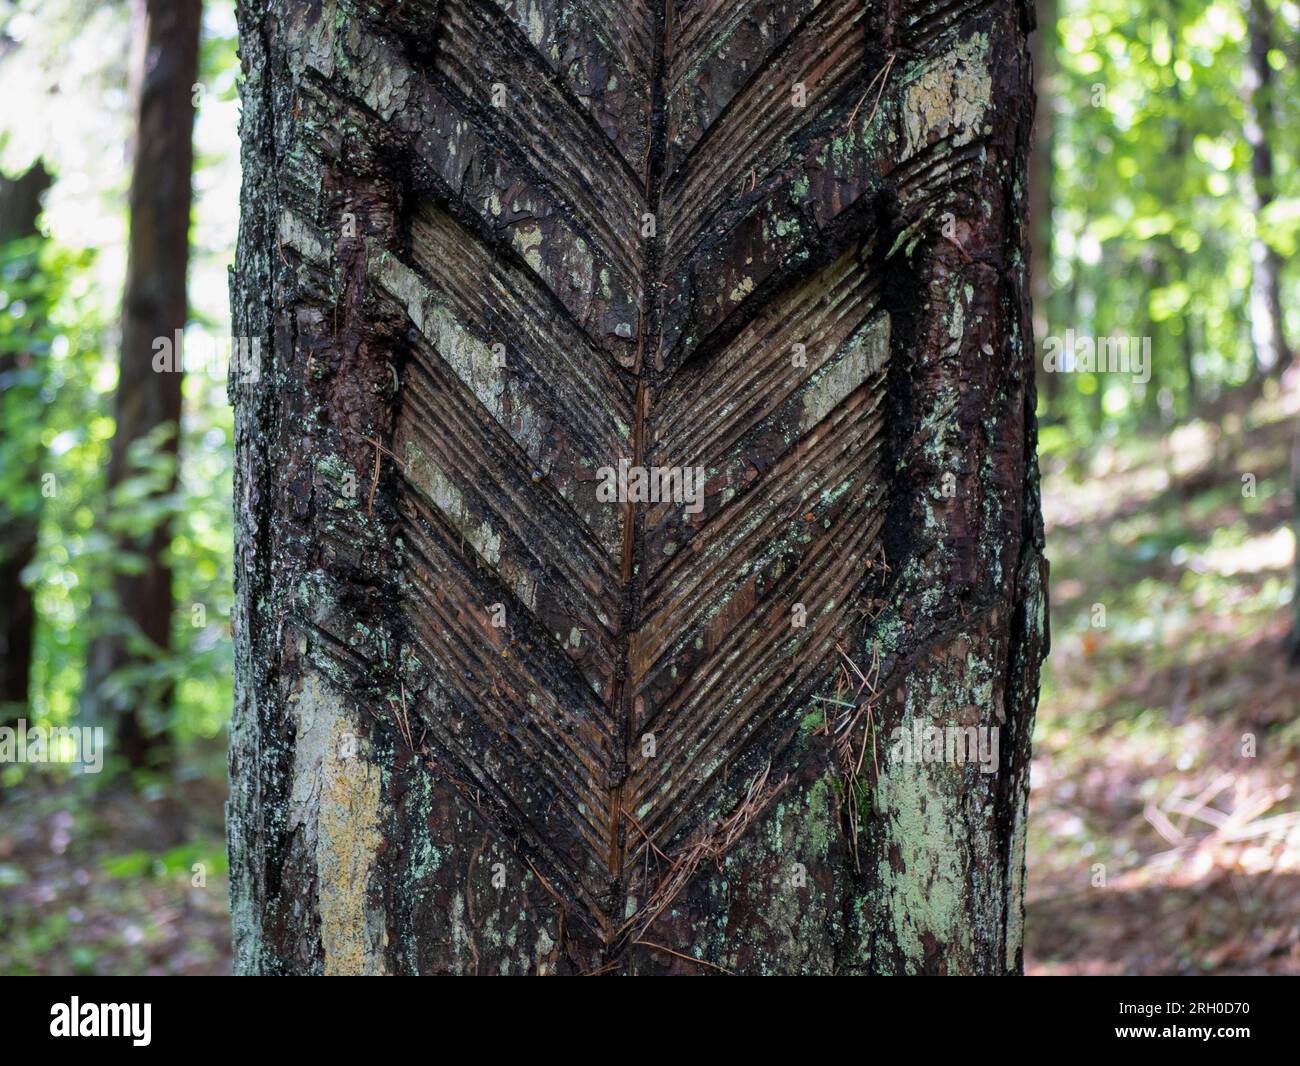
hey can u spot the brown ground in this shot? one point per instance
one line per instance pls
(1140, 751)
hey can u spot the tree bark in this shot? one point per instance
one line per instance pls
(154, 309)
(20, 377)
(488, 721)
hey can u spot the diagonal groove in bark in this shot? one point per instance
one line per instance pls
(586, 158)
(759, 123)
(746, 62)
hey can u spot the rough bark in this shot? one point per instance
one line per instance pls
(153, 308)
(20, 374)
(418, 790)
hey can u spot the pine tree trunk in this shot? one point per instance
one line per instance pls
(154, 309)
(21, 373)
(489, 720)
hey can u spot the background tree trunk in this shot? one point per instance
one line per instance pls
(1043, 52)
(1267, 322)
(21, 373)
(487, 722)
(153, 307)
(1267, 326)
(1295, 526)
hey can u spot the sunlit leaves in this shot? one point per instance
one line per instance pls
(1150, 173)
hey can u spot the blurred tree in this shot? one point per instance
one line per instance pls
(147, 403)
(1267, 329)
(1295, 525)
(21, 375)
(1042, 45)
(1155, 232)
(1267, 322)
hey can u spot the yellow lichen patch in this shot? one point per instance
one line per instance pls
(348, 841)
(336, 801)
(743, 289)
(527, 240)
(951, 96)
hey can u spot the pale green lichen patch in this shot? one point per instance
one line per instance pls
(469, 357)
(951, 96)
(937, 817)
(1016, 889)
(792, 847)
(925, 893)
(441, 491)
(862, 355)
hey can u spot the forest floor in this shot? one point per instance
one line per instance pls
(113, 879)
(1158, 842)
(1164, 829)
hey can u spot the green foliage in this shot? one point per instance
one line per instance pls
(28, 287)
(176, 862)
(1151, 227)
(60, 298)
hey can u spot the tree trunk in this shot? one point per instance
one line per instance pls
(1172, 254)
(1267, 324)
(1267, 327)
(21, 375)
(1294, 642)
(153, 310)
(490, 719)
(1043, 53)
